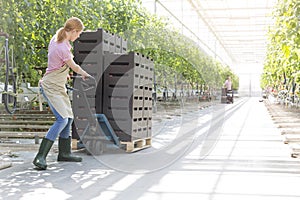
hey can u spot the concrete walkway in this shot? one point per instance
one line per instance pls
(226, 151)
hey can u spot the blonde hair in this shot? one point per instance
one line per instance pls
(71, 24)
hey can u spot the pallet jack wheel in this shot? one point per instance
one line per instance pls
(94, 147)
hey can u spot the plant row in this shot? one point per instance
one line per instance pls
(178, 60)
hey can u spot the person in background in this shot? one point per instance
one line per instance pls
(228, 90)
(52, 86)
(228, 84)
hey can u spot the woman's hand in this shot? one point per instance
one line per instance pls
(76, 68)
(85, 75)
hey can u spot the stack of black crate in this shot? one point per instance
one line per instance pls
(127, 95)
(124, 85)
(89, 50)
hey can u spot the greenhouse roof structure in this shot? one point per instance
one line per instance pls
(233, 31)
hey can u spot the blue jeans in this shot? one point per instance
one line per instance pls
(61, 127)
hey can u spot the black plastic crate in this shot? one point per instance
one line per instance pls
(129, 130)
(124, 89)
(121, 78)
(91, 44)
(118, 44)
(116, 80)
(124, 48)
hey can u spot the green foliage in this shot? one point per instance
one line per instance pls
(282, 63)
(177, 58)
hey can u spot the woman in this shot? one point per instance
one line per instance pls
(53, 88)
(228, 83)
(228, 90)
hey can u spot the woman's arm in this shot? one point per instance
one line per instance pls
(76, 68)
(225, 84)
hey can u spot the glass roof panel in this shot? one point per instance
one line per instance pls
(234, 29)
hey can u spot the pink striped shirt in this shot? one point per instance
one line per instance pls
(58, 54)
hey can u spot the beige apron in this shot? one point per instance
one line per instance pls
(55, 90)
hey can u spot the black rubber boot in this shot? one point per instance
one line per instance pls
(64, 151)
(40, 159)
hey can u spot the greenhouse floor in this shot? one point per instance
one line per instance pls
(223, 151)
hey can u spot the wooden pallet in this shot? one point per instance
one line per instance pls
(286, 131)
(5, 164)
(22, 134)
(291, 138)
(40, 122)
(295, 150)
(288, 125)
(136, 145)
(27, 125)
